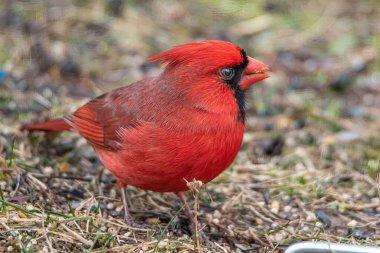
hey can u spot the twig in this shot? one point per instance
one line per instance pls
(32, 178)
(259, 214)
(122, 225)
(76, 235)
(195, 187)
(256, 238)
(220, 247)
(364, 206)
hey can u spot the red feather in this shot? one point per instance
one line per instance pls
(56, 125)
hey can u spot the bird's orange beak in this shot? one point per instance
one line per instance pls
(253, 73)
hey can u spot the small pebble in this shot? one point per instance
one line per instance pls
(275, 207)
(209, 218)
(29, 207)
(217, 214)
(241, 246)
(318, 224)
(287, 209)
(213, 204)
(279, 237)
(225, 190)
(110, 206)
(75, 204)
(47, 170)
(259, 221)
(216, 221)
(64, 167)
(152, 220)
(230, 232)
(352, 223)
(310, 216)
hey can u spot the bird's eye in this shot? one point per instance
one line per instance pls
(227, 73)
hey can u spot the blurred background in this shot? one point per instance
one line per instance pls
(313, 127)
(82, 48)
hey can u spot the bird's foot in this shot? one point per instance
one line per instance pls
(130, 222)
(201, 234)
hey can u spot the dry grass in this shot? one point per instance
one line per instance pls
(309, 165)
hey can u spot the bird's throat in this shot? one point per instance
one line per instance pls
(240, 100)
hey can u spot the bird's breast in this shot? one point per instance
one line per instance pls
(162, 157)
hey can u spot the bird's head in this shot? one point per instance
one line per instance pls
(212, 61)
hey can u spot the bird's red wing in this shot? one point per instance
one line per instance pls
(101, 122)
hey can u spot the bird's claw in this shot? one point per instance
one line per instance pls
(201, 234)
(130, 222)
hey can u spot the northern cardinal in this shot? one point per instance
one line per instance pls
(187, 123)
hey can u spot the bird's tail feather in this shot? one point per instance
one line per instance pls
(52, 126)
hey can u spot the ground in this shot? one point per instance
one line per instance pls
(309, 165)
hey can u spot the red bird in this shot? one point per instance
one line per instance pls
(187, 123)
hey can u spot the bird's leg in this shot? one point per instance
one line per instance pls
(190, 215)
(188, 211)
(99, 180)
(127, 216)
